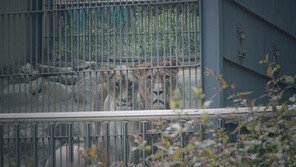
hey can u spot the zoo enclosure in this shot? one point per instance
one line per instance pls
(54, 51)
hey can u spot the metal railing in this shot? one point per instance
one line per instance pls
(41, 136)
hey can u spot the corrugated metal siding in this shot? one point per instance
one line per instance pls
(263, 24)
(280, 13)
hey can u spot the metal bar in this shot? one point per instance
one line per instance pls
(35, 144)
(117, 4)
(107, 143)
(52, 145)
(125, 143)
(1, 145)
(88, 138)
(144, 136)
(70, 141)
(133, 115)
(54, 54)
(17, 144)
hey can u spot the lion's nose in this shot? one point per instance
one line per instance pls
(123, 100)
(158, 92)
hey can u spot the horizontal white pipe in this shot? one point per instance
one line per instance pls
(140, 115)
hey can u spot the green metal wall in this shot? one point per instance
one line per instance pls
(14, 32)
(265, 23)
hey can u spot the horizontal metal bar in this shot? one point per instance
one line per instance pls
(133, 115)
(99, 70)
(96, 7)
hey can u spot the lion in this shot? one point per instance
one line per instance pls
(158, 85)
(123, 91)
(123, 95)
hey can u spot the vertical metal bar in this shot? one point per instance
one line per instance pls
(145, 123)
(52, 145)
(102, 54)
(13, 52)
(195, 50)
(35, 143)
(88, 138)
(145, 33)
(151, 54)
(96, 57)
(189, 52)
(65, 12)
(42, 54)
(17, 145)
(107, 142)
(83, 50)
(70, 141)
(8, 51)
(171, 48)
(125, 143)
(127, 48)
(157, 52)
(164, 53)
(183, 55)
(48, 45)
(88, 134)
(2, 58)
(54, 50)
(139, 46)
(72, 54)
(90, 15)
(133, 55)
(20, 49)
(36, 41)
(108, 52)
(182, 137)
(1, 145)
(78, 50)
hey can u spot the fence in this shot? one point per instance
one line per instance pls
(38, 135)
(83, 55)
(61, 55)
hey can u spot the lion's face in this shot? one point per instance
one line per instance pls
(157, 86)
(123, 91)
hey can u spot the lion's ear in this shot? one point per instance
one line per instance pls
(106, 75)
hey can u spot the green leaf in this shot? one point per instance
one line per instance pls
(176, 154)
(244, 93)
(159, 153)
(196, 90)
(205, 116)
(289, 79)
(148, 148)
(189, 147)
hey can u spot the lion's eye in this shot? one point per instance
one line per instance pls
(167, 77)
(149, 77)
(117, 86)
